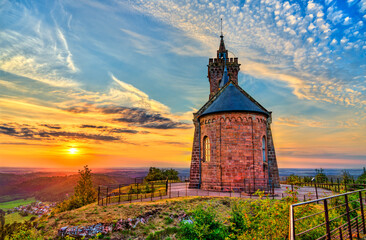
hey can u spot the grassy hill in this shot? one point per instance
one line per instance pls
(166, 216)
(44, 187)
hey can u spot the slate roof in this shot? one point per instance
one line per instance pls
(232, 98)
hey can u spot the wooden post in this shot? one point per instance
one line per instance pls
(340, 232)
(119, 193)
(362, 212)
(348, 217)
(186, 189)
(106, 200)
(316, 190)
(98, 194)
(326, 214)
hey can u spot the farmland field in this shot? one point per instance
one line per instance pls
(16, 217)
(16, 203)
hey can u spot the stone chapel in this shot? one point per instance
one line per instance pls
(233, 148)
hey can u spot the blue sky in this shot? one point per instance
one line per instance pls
(303, 60)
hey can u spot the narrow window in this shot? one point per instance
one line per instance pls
(264, 149)
(206, 149)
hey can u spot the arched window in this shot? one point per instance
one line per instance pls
(264, 149)
(206, 149)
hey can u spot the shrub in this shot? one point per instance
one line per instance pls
(205, 225)
(292, 179)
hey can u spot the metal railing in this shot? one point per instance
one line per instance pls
(149, 191)
(341, 217)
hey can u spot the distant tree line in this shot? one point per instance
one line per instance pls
(320, 177)
(155, 174)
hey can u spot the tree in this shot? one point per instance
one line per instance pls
(292, 179)
(362, 178)
(346, 177)
(320, 176)
(84, 192)
(155, 174)
(170, 174)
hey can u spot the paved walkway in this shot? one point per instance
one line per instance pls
(182, 190)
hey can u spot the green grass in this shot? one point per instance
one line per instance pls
(16, 217)
(16, 203)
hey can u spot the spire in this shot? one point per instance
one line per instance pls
(222, 52)
(225, 77)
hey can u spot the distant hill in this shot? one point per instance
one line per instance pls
(45, 188)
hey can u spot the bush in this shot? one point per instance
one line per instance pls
(260, 219)
(292, 179)
(205, 225)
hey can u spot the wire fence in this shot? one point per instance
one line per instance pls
(337, 217)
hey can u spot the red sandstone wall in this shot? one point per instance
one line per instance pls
(273, 168)
(232, 144)
(194, 171)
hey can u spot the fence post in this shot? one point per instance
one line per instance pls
(339, 189)
(153, 191)
(362, 212)
(327, 219)
(98, 194)
(106, 200)
(348, 217)
(119, 193)
(230, 189)
(316, 190)
(186, 189)
(292, 224)
(358, 230)
(340, 233)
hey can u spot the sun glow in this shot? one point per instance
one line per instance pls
(73, 150)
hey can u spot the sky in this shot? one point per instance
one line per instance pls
(115, 83)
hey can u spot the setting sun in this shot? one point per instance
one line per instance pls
(73, 150)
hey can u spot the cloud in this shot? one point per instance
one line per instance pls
(25, 131)
(136, 97)
(52, 126)
(110, 129)
(40, 53)
(142, 118)
(277, 40)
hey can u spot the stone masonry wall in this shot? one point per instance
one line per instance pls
(194, 171)
(216, 70)
(272, 160)
(236, 150)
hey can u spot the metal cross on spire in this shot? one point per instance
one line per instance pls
(221, 27)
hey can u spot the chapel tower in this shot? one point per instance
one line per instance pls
(233, 147)
(216, 68)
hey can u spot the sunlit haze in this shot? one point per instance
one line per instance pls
(115, 83)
